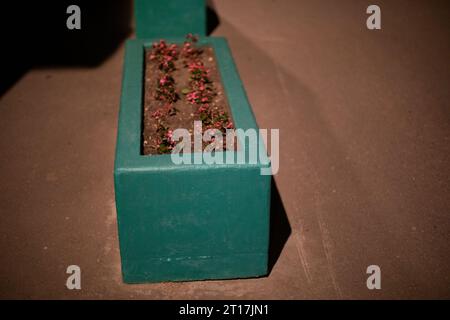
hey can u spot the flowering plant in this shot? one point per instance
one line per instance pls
(201, 92)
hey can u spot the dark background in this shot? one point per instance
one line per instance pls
(34, 33)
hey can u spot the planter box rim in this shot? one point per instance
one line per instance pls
(128, 150)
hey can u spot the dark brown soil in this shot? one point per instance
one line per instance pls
(185, 115)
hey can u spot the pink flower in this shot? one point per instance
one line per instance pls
(157, 114)
(194, 66)
(162, 44)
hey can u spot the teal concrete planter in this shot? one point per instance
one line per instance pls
(188, 222)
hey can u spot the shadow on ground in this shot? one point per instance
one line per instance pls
(280, 229)
(212, 19)
(37, 35)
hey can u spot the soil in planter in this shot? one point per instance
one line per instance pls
(179, 108)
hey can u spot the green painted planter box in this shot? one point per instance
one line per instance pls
(189, 221)
(168, 18)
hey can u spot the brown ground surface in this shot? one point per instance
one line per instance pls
(364, 168)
